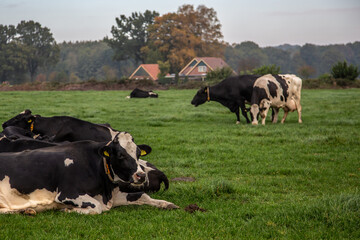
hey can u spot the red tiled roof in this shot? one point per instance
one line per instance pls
(212, 62)
(152, 69)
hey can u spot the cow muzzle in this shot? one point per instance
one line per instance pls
(139, 177)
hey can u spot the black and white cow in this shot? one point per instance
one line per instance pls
(70, 129)
(138, 93)
(276, 91)
(233, 92)
(78, 177)
(153, 178)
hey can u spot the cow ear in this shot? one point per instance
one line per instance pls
(105, 151)
(145, 149)
(30, 119)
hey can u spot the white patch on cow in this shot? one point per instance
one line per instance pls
(126, 142)
(11, 200)
(23, 112)
(120, 199)
(97, 207)
(152, 93)
(68, 162)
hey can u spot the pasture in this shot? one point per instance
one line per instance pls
(290, 181)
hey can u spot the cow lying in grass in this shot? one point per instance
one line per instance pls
(78, 177)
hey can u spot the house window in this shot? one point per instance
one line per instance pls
(202, 68)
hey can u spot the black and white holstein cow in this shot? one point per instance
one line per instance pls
(78, 177)
(138, 93)
(276, 91)
(69, 129)
(153, 178)
(233, 92)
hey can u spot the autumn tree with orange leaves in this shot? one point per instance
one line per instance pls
(179, 37)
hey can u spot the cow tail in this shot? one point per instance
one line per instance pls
(165, 180)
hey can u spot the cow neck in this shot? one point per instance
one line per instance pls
(109, 171)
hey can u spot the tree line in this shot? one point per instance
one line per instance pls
(28, 51)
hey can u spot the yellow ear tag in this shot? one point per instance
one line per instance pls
(30, 121)
(143, 152)
(106, 153)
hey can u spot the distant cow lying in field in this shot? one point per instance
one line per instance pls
(138, 93)
(276, 91)
(232, 92)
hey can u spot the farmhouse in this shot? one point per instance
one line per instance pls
(146, 71)
(198, 67)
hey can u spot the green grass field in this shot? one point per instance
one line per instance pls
(278, 181)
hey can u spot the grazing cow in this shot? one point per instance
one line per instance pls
(78, 177)
(138, 93)
(64, 128)
(276, 91)
(233, 92)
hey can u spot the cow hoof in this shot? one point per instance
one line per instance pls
(237, 122)
(254, 123)
(300, 121)
(29, 212)
(171, 206)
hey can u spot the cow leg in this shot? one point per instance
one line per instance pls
(275, 115)
(263, 115)
(244, 112)
(298, 108)
(83, 204)
(237, 116)
(141, 198)
(286, 111)
(254, 111)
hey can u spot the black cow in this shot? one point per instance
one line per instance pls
(61, 128)
(18, 145)
(138, 93)
(13, 133)
(232, 92)
(64, 128)
(79, 177)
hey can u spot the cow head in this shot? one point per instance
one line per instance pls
(22, 120)
(200, 97)
(153, 95)
(122, 159)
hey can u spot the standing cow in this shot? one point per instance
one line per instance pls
(232, 92)
(276, 91)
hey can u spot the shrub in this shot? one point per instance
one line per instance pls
(219, 74)
(267, 69)
(342, 71)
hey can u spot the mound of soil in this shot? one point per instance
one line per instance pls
(194, 207)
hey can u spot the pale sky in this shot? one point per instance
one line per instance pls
(265, 22)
